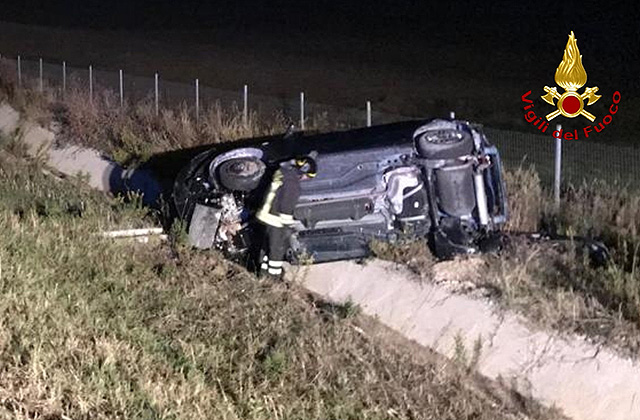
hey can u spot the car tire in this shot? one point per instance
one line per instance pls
(241, 174)
(203, 226)
(444, 144)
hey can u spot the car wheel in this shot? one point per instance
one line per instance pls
(444, 144)
(203, 226)
(241, 174)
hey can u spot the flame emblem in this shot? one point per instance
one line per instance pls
(571, 76)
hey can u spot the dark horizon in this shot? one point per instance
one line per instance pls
(203, 14)
(611, 29)
(189, 14)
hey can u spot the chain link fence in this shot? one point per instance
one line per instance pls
(172, 94)
(581, 161)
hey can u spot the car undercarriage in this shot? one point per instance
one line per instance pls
(437, 180)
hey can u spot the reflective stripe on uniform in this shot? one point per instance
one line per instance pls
(286, 219)
(275, 271)
(280, 220)
(276, 264)
(270, 219)
(264, 214)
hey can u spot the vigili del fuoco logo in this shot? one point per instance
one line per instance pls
(571, 77)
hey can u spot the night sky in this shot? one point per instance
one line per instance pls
(525, 25)
(368, 16)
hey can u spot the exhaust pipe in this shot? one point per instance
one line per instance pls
(481, 199)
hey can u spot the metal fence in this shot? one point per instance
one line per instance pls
(581, 161)
(300, 110)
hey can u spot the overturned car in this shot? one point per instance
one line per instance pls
(440, 180)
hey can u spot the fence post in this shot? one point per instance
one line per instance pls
(197, 100)
(302, 111)
(19, 72)
(558, 168)
(245, 106)
(368, 113)
(121, 89)
(41, 85)
(157, 92)
(91, 84)
(64, 77)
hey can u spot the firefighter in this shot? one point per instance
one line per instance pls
(277, 211)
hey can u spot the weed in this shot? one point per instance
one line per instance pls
(103, 329)
(460, 355)
(109, 330)
(526, 200)
(414, 253)
(558, 288)
(178, 235)
(555, 285)
(477, 353)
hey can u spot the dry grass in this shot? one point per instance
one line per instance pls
(526, 200)
(129, 134)
(414, 254)
(134, 133)
(97, 329)
(556, 284)
(32, 103)
(609, 212)
(556, 287)
(148, 335)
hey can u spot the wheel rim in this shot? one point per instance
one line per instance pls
(243, 168)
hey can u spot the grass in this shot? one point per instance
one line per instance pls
(525, 199)
(555, 285)
(103, 329)
(409, 252)
(602, 302)
(132, 133)
(558, 291)
(92, 328)
(192, 321)
(582, 159)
